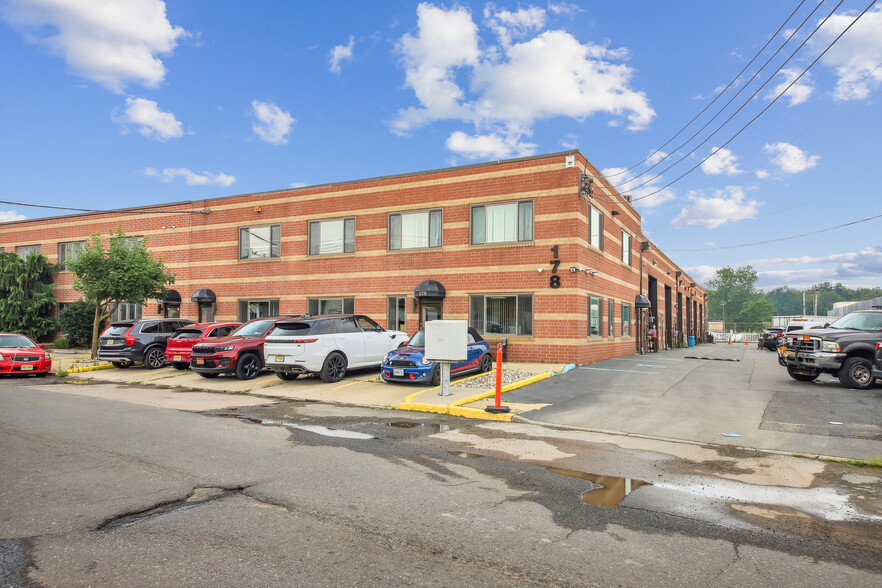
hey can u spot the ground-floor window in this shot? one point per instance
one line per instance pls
(626, 320)
(396, 313)
(504, 314)
(317, 306)
(252, 309)
(610, 312)
(594, 316)
(126, 312)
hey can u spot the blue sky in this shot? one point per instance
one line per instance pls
(115, 103)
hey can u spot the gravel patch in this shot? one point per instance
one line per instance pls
(489, 380)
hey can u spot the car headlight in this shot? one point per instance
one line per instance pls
(47, 357)
(425, 361)
(2, 358)
(830, 346)
(386, 359)
(227, 348)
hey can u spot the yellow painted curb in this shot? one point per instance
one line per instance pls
(89, 368)
(506, 388)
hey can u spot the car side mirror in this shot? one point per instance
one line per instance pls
(41, 345)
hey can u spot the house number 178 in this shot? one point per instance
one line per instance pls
(554, 280)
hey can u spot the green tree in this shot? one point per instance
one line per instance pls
(786, 301)
(122, 272)
(26, 302)
(756, 314)
(728, 292)
(75, 321)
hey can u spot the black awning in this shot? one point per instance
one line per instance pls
(171, 297)
(641, 301)
(430, 289)
(203, 296)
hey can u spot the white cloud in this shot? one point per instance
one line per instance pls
(798, 93)
(341, 53)
(725, 206)
(273, 124)
(571, 141)
(627, 183)
(110, 42)
(298, 184)
(762, 174)
(152, 122)
(513, 86)
(564, 8)
(867, 261)
(483, 146)
(790, 159)
(192, 179)
(855, 55)
(723, 162)
(655, 157)
(510, 25)
(702, 273)
(9, 215)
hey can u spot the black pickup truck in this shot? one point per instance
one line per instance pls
(846, 348)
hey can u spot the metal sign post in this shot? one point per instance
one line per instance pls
(445, 379)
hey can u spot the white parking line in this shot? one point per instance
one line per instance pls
(653, 359)
(612, 370)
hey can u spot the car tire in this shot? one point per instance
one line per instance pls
(121, 364)
(248, 367)
(486, 363)
(436, 375)
(287, 376)
(208, 374)
(180, 365)
(154, 358)
(857, 372)
(334, 368)
(801, 377)
(41, 374)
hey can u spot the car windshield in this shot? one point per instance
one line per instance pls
(863, 321)
(15, 341)
(418, 339)
(253, 329)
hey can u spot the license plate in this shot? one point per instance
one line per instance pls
(27, 368)
(177, 358)
(280, 358)
(397, 371)
(110, 341)
(200, 362)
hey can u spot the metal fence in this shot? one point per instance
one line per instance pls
(839, 311)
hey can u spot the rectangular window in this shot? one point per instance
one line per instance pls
(332, 236)
(502, 223)
(24, 250)
(126, 312)
(626, 320)
(137, 240)
(252, 309)
(260, 242)
(626, 248)
(502, 314)
(67, 252)
(595, 228)
(396, 315)
(317, 306)
(594, 316)
(415, 230)
(610, 316)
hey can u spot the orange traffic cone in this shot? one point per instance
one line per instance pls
(730, 340)
(746, 341)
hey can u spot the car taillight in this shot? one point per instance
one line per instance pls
(129, 339)
(878, 345)
(302, 341)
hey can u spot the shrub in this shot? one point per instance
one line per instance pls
(62, 344)
(75, 321)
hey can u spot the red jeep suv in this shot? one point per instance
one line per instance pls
(241, 353)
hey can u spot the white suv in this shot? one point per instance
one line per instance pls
(328, 345)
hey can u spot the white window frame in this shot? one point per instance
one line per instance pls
(67, 252)
(523, 219)
(273, 246)
(595, 227)
(432, 237)
(626, 247)
(316, 247)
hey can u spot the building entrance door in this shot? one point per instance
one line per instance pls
(430, 310)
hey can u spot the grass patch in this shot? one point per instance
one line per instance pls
(873, 462)
(61, 373)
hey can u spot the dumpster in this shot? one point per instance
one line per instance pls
(691, 341)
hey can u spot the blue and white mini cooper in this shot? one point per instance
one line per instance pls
(409, 363)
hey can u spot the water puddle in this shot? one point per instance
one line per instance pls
(417, 425)
(612, 491)
(317, 429)
(464, 454)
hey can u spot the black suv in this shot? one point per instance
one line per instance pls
(771, 338)
(846, 348)
(126, 342)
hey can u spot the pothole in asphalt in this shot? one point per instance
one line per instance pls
(464, 454)
(612, 490)
(199, 496)
(317, 429)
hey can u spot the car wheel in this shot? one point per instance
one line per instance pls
(436, 375)
(41, 374)
(248, 367)
(856, 372)
(486, 363)
(180, 365)
(121, 364)
(154, 358)
(801, 377)
(287, 376)
(208, 374)
(334, 368)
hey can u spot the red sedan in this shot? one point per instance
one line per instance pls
(180, 344)
(20, 355)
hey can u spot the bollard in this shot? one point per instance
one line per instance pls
(498, 408)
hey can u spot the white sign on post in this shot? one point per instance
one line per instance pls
(446, 341)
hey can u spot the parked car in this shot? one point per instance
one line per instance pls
(877, 368)
(180, 344)
(328, 345)
(125, 342)
(240, 353)
(847, 349)
(771, 338)
(409, 363)
(19, 354)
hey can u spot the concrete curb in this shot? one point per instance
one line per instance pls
(89, 368)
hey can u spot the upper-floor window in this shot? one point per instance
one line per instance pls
(67, 252)
(260, 242)
(502, 223)
(413, 230)
(134, 241)
(626, 248)
(595, 228)
(332, 236)
(24, 250)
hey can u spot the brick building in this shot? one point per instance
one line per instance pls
(539, 251)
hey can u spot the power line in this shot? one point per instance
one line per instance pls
(126, 210)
